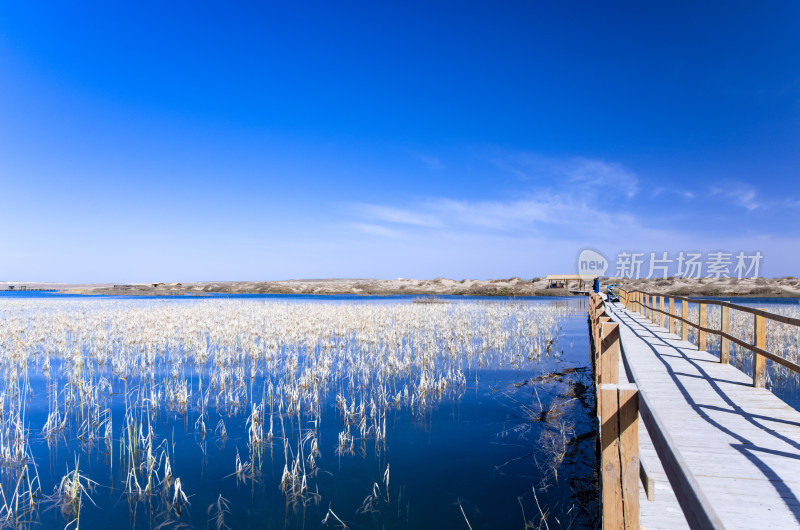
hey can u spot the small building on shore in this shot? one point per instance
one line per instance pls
(570, 282)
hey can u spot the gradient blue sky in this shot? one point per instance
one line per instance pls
(190, 141)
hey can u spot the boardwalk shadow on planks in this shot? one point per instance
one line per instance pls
(664, 347)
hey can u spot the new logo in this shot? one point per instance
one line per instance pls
(591, 264)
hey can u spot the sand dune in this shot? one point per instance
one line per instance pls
(516, 286)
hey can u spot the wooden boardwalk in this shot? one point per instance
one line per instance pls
(741, 444)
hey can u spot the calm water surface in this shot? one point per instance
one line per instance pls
(486, 449)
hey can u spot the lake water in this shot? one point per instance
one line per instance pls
(497, 441)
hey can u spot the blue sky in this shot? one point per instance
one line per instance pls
(194, 141)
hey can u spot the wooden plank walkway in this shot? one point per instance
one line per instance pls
(662, 511)
(741, 443)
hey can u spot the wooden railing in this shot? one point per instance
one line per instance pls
(665, 316)
(618, 424)
(619, 407)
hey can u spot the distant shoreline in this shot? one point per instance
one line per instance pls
(725, 287)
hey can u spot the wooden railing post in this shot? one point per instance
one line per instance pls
(671, 320)
(701, 335)
(592, 325)
(654, 316)
(662, 321)
(602, 319)
(653, 303)
(684, 325)
(759, 341)
(629, 452)
(619, 456)
(725, 344)
(610, 465)
(609, 358)
(598, 342)
(653, 312)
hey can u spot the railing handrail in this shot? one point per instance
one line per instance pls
(760, 312)
(757, 312)
(739, 342)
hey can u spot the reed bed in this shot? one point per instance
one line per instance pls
(263, 370)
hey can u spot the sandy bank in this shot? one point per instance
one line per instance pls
(439, 286)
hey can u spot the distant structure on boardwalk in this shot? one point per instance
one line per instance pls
(575, 283)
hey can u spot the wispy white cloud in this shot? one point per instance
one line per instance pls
(568, 205)
(739, 193)
(546, 232)
(582, 175)
(391, 214)
(433, 163)
(600, 175)
(536, 212)
(376, 230)
(553, 215)
(570, 198)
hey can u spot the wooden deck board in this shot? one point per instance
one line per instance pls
(742, 443)
(663, 512)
